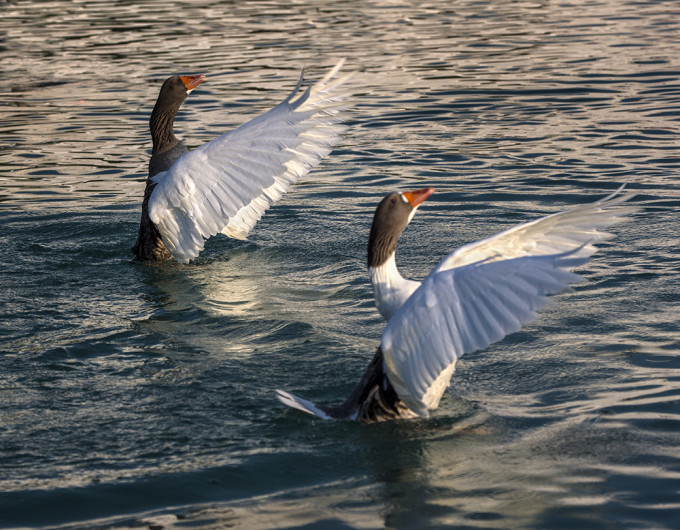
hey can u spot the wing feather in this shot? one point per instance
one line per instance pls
(580, 227)
(227, 184)
(461, 310)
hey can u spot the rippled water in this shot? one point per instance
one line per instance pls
(135, 395)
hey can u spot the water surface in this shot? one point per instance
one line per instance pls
(136, 395)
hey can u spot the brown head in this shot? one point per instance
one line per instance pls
(174, 91)
(391, 217)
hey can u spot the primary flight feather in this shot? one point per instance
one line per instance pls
(477, 295)
(225, 185)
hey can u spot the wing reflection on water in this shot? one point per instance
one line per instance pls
(228, 287)
(214, 306)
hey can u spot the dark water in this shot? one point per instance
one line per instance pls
(135, 395)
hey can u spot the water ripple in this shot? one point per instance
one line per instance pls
(150, 387)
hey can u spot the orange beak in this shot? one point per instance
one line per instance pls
(414, 198)
(192, 81)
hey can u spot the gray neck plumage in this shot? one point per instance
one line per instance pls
(390, 290)
(161, 125)
(381, 246)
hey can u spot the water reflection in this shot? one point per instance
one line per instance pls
(229, 286)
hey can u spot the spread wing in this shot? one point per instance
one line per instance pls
(577, 228)
(461, 310)
(227, 184)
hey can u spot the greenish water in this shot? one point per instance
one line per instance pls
(135, 395)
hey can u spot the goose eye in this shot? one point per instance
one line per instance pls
(393, 200)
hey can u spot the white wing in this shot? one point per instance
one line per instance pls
(577, 228)
(301, 404)
(461, 310)
(227, 184)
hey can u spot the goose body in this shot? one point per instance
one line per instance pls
(474, 297)
(226, 185)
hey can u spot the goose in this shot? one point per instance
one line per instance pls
(474, 297)
(226, 185)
